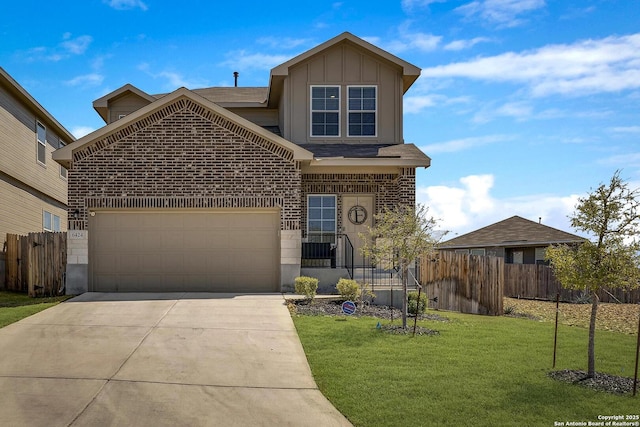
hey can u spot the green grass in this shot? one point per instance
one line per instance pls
(16, 306)
(480, 371)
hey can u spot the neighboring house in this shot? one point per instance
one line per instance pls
(33, 188)
(516, 239)
(216, 189)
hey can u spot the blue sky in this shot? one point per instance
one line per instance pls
(523, 105)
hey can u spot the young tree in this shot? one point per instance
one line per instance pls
(399, 236)
(611, 215)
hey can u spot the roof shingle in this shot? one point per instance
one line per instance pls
(514, 231)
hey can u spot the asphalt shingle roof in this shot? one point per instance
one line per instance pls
(514, 231)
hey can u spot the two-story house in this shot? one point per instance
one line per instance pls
(33, 187)
(216, 189)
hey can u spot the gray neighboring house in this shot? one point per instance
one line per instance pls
(217, 189)
(516, 239)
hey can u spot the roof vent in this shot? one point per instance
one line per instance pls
(235, 78)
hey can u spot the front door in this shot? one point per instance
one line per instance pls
(357, 216)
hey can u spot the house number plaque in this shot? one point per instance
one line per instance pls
(357, 215)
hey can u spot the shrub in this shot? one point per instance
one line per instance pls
(349, 289)
(413, 307)
(306, 286)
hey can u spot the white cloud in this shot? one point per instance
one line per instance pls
(80, 131)
(241, 60)
(126, 4)
(517, 110)
(625, 129)
(469, 205)
(462, 144)
(415, 104)
(76, 46)
(409, 5)
(92, 79)
(65, 49)
(622, 161)
(283, 43)
(174, 79)
(413, 41)
(465, 44)
(504, 13)
(610, 64)
(418, 103)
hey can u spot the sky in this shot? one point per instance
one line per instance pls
(523, 105)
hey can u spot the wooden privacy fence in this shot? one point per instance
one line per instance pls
(464, 283)
(539, 282)
(36, 263)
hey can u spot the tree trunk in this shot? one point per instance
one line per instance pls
(405, 274)
(591, 370)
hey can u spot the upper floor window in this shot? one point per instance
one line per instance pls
(362, 108)
(63, 170)
(325, 110)
(41, 133)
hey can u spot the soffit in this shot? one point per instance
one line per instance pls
(23, 96)
(410, 72)
(101, 105)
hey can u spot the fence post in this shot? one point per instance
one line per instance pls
(555, 336)
(635, 376)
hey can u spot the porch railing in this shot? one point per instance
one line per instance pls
(323, 254)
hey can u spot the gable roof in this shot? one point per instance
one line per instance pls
(101, 105)
(514, 231)
(14, 88)
(64, 155)
(410, 72)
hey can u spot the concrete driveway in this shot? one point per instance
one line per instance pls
(159, 360)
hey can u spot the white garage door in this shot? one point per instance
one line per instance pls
(177, 250)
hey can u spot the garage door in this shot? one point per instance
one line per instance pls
(173, 251)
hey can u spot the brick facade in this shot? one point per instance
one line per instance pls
(186, 157)
(388, 190)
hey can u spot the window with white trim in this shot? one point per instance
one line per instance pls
(41, 136)
(321, 218)
(362, 110)
(63, 170)
(325, 110)
(50, 222)
(478, 251)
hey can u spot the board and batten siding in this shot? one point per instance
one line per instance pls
(125, 104)
(343, 65)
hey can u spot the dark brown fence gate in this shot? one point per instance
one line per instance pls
(36, 263)
(464, 283)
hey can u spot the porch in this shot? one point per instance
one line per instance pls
(329, 262)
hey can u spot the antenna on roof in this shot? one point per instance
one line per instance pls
(235, 78)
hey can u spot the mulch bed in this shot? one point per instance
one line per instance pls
(600, 382)
(329, 307)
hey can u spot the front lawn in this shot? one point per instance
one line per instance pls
(480, 371)
(15, 306)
